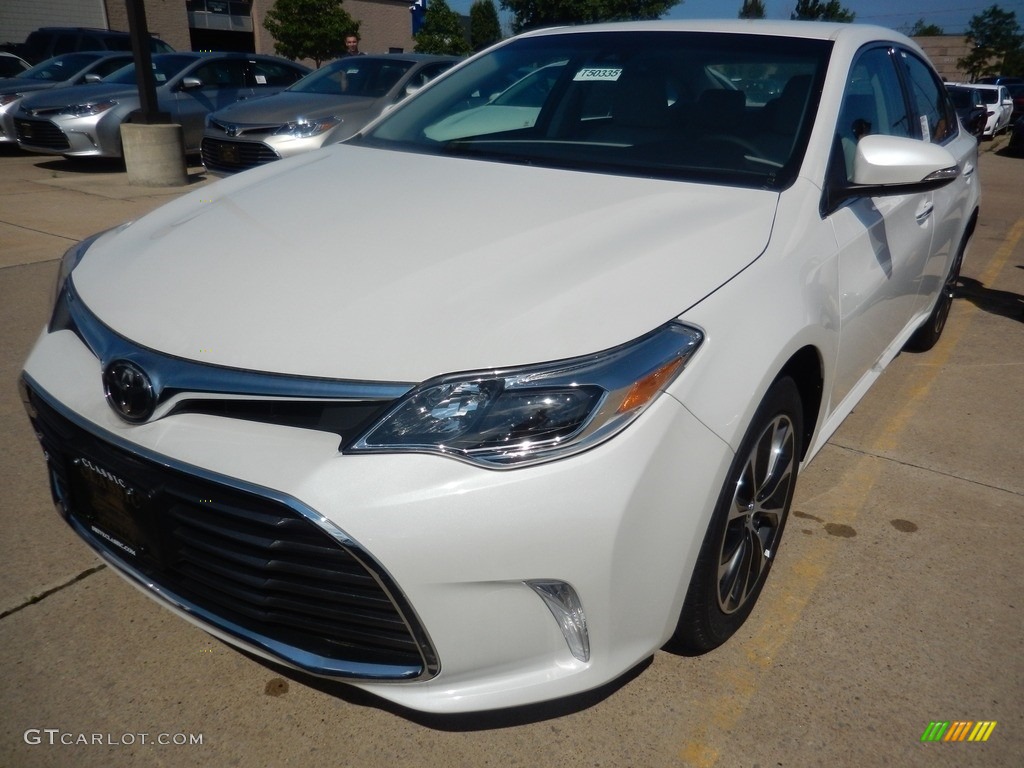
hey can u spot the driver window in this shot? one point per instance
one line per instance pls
(873, 104)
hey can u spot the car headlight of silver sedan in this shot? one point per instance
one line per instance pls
(88, 109)
(304, 129)
(516, 417)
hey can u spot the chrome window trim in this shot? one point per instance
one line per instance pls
(295, 657)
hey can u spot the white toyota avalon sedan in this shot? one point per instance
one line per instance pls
(478, 413)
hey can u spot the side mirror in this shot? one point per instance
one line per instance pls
(892, 165)
(885, 161)
(188, 83)
(92, 77)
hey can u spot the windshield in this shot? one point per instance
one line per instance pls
(165, 66)
(354, 76)
(697, 106)
(61, 67)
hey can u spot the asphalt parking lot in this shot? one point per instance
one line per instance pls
(896, 601)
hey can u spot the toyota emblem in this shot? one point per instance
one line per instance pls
(129, 391)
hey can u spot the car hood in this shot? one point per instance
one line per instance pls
(286, 106)
(358, 263)
(26, 84)
(79, 94)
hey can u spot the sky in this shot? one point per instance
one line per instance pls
(952, 15)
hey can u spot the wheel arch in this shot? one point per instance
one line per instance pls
(806, 369)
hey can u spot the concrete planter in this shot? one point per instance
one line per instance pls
(154, 155)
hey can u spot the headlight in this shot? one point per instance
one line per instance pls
(303, 128)
(85, 110)
(503, 419)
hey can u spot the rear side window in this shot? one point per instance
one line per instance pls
(936, 118)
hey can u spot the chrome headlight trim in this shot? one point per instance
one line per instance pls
(503, 419)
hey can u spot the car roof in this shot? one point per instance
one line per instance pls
(847, 37)
(817, 30)
(222, 55)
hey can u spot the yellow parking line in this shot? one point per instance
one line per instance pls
(778, 611)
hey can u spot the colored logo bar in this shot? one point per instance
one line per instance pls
(958, 730)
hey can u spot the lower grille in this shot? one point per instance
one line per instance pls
(247, 561)
(41, 133)
(234, 156)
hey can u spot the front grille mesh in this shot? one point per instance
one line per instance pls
(233, 156)
(249, 560)
(41, 133)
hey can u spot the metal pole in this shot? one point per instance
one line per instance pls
(150, 112)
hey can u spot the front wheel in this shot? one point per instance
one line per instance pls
(746, 527)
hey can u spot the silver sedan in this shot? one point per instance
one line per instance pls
(64, 71)
(328, 105)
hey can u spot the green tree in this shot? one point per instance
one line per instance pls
(442, 31)
(309, 29)
(923, 29)
(528, 14)
(815, 10)
(484, 25)
(996, 42)
(752, 9)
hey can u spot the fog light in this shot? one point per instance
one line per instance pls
(564, 604)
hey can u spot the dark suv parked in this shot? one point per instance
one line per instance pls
(53, 41)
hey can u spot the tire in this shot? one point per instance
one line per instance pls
(927, 336)
(746, 527)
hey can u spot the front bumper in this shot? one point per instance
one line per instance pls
(450, 547)
(90, 136)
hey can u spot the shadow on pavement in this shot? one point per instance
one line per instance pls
(455, 723)
(1002, 303)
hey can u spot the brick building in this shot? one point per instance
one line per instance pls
(385, 25)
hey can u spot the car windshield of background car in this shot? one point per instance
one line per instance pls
(354, 77)
(60, 67)
(724, 108)
(165, 66)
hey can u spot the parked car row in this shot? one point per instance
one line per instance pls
(254, 108)
(998, 105)
(85, 120)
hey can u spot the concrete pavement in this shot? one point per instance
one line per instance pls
(896, 600)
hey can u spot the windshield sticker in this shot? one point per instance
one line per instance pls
(261, 79)
(606, 74)
(926, 132)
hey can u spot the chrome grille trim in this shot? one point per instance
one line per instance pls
(176, 379)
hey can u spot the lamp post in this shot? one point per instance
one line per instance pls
(154, 148)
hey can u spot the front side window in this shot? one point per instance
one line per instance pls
(873, 104)
(274, 73)
(726, 108)
(226, 73)
(935, 114)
